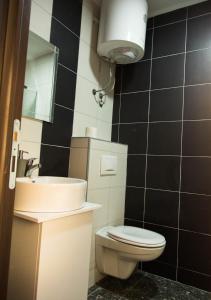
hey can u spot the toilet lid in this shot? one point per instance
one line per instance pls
(137, 236)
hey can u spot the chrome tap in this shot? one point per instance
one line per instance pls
(30, 168)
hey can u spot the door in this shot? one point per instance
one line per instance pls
(14, 28)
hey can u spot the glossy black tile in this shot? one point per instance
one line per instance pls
(196, 138)
(67, 43)
(54, 160)
(198, 280)
(135, 136)
(168, 71)
(115, 133)
(166, 105)
(134, 203)
(150, 23)
(134, 107)
(161, 269)
(165, 42)
(65, 87)
(116, 109)
(199, 35)
(171, 17)
(169, 255)
(148, 45)
(118, 77)
(199, 9)
(165, 138)
(195, 213)
(162, 208)
(163, 172)
(197, 103)
(136, 170)
(134, 223)
(198, 67)
(59, 132)
(136, 77)
(69, 13)
(196, 174)
(194, 252)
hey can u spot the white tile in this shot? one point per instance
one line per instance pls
(84, 99)
(105, 112)
(99, 196)
(95, 181)
(116, 204)
(100, 145)
(88, 63)
(40, 21)
(89, 24)
(80, 123)
(31, 130)
(119, 180)
(47, 5)
(104, 130)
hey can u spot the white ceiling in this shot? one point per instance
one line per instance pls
(158, 7)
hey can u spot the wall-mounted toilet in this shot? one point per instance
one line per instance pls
(120, 248)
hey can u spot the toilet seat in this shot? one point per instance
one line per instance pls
(137, 236)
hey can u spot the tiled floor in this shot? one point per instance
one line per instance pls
(144, 286)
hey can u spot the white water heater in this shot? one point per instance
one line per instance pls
(122, 30)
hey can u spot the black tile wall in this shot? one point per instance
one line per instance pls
(161, 207)
(165, 42)
(166, 105)
(138, 100)
(164, 115)
(56, 136)
(135, 135)
(168, 71)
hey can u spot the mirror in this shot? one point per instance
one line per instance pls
(40, 79)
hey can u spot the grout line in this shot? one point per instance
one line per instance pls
(175, 54)
(65, 107)
(76, 35)
(193, 271)
(167, 88)
(169, 227)
(182, 20)
(166, 190)
(160, 122)
(181, 146)
(67, 68)
(57, 146)
(169, 155)
(148, 118)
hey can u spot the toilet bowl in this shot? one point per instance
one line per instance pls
(120, 248)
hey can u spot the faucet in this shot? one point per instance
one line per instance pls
(30, 168)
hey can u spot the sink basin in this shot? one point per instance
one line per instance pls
(49, 194)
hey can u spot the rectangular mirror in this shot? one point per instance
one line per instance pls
(40, 79)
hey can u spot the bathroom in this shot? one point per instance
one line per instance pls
(129, 142)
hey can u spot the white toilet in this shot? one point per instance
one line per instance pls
(120, 248)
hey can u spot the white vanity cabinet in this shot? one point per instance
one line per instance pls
(50, 255)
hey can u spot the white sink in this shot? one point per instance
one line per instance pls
(49, 194)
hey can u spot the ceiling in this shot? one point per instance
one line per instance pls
(158, 7)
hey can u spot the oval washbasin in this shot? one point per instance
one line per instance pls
(49, 194)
